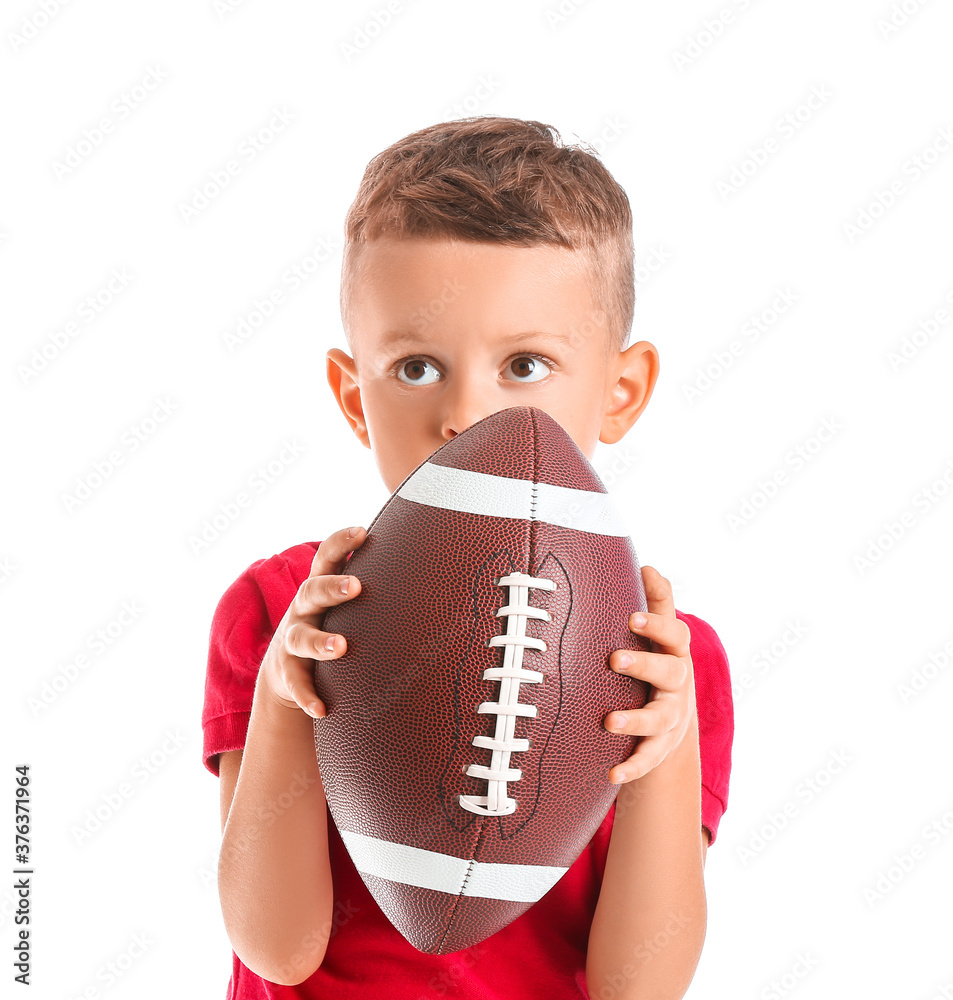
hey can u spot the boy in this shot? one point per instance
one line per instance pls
(485, 266)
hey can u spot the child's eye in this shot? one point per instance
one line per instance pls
(524, 368)
(534, 365)
(415, 370)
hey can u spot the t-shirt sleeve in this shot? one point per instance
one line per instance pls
(716, 723)
(244, 622)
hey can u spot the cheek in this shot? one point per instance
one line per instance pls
(589, 435)
(579, 417)
(383, 412)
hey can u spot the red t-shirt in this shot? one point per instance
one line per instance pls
(543, 951)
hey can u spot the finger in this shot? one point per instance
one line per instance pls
(335, 549)
(650, 752)
(654, 719)
(299, 681)
(658, 592)
(661, 670)
(311, 643)
(664, 630)
(318, 593)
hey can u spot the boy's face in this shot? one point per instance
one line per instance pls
(445, 333)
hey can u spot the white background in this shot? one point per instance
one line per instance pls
(838, 773)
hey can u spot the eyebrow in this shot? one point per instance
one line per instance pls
(400, 338)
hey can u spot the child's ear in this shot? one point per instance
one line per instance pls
(631, 383)
(342, 377)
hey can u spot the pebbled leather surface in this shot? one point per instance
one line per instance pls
(397, 740)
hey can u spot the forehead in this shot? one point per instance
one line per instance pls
(412, 289)
(407, 253)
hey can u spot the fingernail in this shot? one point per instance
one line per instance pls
(639, 620)
(619, 778)
(329, 642)
(619, 721)
(351, 532)
(344, 585)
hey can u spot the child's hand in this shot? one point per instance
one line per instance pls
(668, 713)
(287, 669)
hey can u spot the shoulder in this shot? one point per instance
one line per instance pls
(243, 624)
(716, 719)
(712, 674)
(707, 650)
(249, 611)
(292, 565)
(265, 588)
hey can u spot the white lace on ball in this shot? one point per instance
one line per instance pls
(508, 706)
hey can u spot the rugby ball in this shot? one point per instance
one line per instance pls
(464, 754)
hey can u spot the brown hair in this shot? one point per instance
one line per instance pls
(499, 180)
